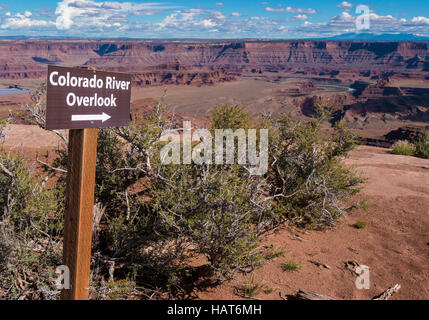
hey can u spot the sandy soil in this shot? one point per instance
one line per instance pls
(395, 243)
(20, 137)
(10, 102)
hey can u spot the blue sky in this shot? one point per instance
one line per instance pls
(208, 19)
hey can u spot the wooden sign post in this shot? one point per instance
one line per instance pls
(79, 211)
(83, 100)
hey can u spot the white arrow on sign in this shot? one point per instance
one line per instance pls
(91, 117)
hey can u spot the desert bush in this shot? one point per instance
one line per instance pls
(152, 219)
(27, 266)
(422, 146)
(158, 217)
(115, 290)
(308, 181)
(30, 228)
(26, 201)
(404, 147)
(229, 117)
(215, 210)
(130, 236)
(204, 210)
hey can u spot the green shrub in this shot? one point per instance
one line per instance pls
(31, 222)
(229, 117)
(404, 147)
(116, 290)
(307, 178)
(27, 269)
(158, 217)
(25, 200)
(422, 146)
(291, 266)
(153, 219)
(364, 205)
(360, 225)
(212, 208)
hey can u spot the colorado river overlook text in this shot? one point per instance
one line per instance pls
(83, 82)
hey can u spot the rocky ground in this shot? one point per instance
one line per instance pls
(394, 244)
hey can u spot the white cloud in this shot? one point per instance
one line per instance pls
(219, 4)
(300, 17)
(207, 23)
(116, 18)
(44, 12)
(344, 17)
(191, 19)
(345, 5)
(24, 21)
(291, 10)
(99, 15)
(346, 23)
(420, 20)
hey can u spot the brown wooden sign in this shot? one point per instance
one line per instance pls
(80, 98)
(83, 100)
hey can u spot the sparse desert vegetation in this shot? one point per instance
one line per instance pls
(418, 148)
(273, 254)
(152, 220)
(250, 288)
(404, 147)
(360, 225)
(422, 146)
(291, 266)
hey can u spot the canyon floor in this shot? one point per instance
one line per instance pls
(374, 113)
(270, 93)
(394, 244)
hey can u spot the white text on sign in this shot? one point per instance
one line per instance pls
(57, 80)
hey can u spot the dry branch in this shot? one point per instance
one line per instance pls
(5, 170)
(304, 295)
(319, 264)
(386, 295)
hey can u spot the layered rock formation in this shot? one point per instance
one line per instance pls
(179, 74)
(217, 60)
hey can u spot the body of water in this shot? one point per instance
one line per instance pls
(12, 91)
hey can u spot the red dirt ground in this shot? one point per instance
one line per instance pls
(394, 244)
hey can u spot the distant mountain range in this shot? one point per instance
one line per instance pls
(377, 37)
(342, 37)
(20, 38)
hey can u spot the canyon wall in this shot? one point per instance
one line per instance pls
(217, 61)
